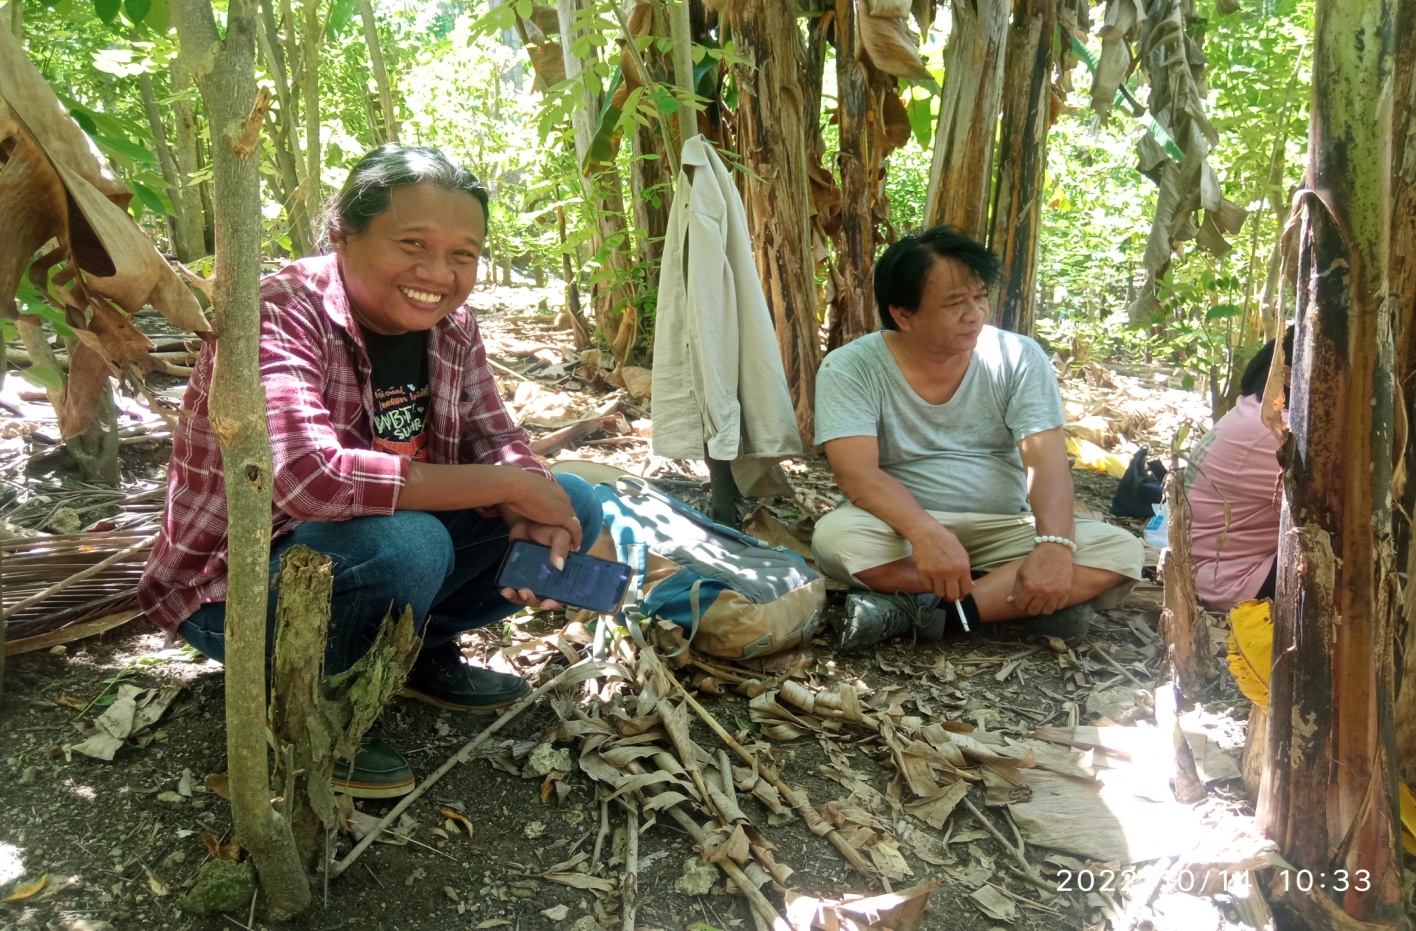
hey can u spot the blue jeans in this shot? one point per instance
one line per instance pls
(443, 564)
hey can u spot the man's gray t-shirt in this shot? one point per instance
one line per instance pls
(959, 456)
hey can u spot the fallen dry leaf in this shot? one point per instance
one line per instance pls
(994, 904)
(158, 887)
(581, 881)
(220, 784)
(459, 821)
(219, 851)
(558, 913)
(27, 890)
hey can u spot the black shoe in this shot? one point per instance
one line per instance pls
(442, 677)
(1069, 624)
(872, 617)
(379, 771)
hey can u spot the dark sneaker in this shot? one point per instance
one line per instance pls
(872, 617)
(379, 771)
(442, 677)
(1069, 624)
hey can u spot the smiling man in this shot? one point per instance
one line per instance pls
(946, 436)
(391, 450)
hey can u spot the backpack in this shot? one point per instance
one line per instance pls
(735, 597)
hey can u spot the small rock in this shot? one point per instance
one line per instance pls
(1116, 703)
(546, 759)
(59, 650)
(28, 776)
(170, 796)
(698, 877)
(585, 923)
(222, 886)
(65, 520)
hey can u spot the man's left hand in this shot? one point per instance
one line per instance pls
(1044, 580)
(557, 538)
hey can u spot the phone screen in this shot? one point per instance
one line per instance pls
(586, 582)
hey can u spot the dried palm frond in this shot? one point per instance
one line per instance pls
(61, 580)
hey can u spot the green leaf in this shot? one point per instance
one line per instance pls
(106, 10)
(340, 13)
(136, 10)
(44, 376)
(125, 149)
(155, 201)
(33, 303)
(921, 113)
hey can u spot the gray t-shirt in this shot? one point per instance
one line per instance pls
(960, 456)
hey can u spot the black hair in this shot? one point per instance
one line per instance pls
(901, 271)
(1251, 385)
(369, 188)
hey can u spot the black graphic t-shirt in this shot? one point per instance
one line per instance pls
(400, 386)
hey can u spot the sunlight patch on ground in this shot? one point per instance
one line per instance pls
(149, 655)
(12, 863)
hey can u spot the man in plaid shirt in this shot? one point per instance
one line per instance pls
(392, 451)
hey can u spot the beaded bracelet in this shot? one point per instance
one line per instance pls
(1049, 538)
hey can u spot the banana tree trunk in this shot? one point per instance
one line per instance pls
(861, 87)
(772, 139)
(1328, 795)
(961, 176)
(1022, 160)
(1403, 290)
(225, 72)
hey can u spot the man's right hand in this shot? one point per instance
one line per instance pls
(942, 562)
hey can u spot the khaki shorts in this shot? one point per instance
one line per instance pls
(850, 540)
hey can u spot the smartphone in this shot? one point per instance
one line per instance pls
(585, 582)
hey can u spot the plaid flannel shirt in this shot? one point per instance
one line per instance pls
(315, 372)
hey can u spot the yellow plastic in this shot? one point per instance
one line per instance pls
(1088, 455)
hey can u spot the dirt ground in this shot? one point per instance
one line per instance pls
(120, 841)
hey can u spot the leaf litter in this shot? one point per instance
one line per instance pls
(904, 735)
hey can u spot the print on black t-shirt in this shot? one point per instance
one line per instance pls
(400, 387)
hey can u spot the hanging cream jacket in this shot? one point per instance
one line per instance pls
(718, 376)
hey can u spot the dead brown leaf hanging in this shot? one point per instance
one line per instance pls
(56, 186)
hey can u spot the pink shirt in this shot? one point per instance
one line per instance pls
(315, 371)
(1235, 464)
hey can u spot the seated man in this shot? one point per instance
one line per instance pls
(1234, 487)
(942, 431)
(391, 450)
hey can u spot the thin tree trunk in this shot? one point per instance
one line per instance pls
(862, 157)
(376, 58)
(16, 22)
(225, 71)
(191, 238)
(772, 141)
(1022, 161)
(289, 161)
(310, 98)
(181, 233)
(961, 176)
(615, 312)
(1329, 791)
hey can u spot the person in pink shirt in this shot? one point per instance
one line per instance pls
(1233, 485)
(391, 449)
